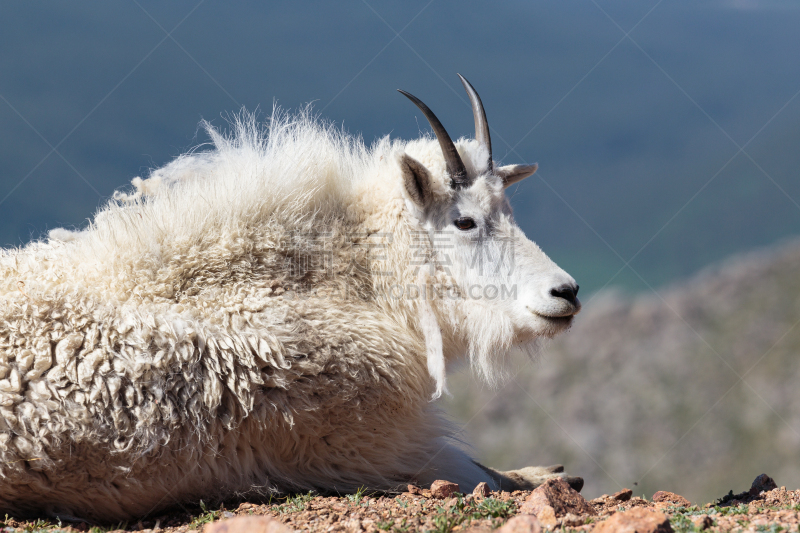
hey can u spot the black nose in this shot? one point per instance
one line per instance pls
(568, 292)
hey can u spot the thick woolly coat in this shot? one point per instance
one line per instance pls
(237, 324)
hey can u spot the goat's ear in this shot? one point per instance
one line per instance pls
(416, 180)
(511, 174)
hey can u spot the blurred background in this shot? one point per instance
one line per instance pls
(667, 134)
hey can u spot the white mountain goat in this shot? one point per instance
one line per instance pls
(270, 316)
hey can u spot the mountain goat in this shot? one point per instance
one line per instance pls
(272, 315)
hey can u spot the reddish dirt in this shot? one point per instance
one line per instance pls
(419, 511)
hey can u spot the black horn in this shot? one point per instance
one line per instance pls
(455, 167)
(481, 124)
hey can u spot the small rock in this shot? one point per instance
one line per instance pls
(762, 483)
(522, 524)
(413, 489)
(228, 514)
(554, 499)
(247, 524)
(246, 505)
(443, 489)
(637, 520)
(571, 520)
(702, 522)
(546, 515)
(479, 529)
(663, 496)
(482, 490)
(623, 495)
(353, 524)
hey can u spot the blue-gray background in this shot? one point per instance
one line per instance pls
(637, 137)
(666, 131)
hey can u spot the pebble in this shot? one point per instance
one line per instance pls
(413, 489)
(663, 496)
(623, 495)
(443, 489)
(702, 522)
(247, 524)
(553, 500)
(761, 484)
(482, 490)
(572, 520)
(522, 524)
(637, 520)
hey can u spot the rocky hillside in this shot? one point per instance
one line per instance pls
(694, 389)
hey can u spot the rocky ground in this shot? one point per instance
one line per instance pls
(441, 508)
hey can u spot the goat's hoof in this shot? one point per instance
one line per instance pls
(575, 482)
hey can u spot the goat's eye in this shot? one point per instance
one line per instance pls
(464, 223)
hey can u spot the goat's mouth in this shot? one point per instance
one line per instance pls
(565, 316)
(558, 322)
(564, 320)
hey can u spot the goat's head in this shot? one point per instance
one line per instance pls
(510, 292)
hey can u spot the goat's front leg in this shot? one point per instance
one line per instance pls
(530, 477)
(452, 464)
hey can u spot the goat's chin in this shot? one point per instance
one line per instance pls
(550, 326)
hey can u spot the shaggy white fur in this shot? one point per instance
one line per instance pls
(273, 314)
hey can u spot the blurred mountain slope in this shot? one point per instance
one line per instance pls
(647, 389)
